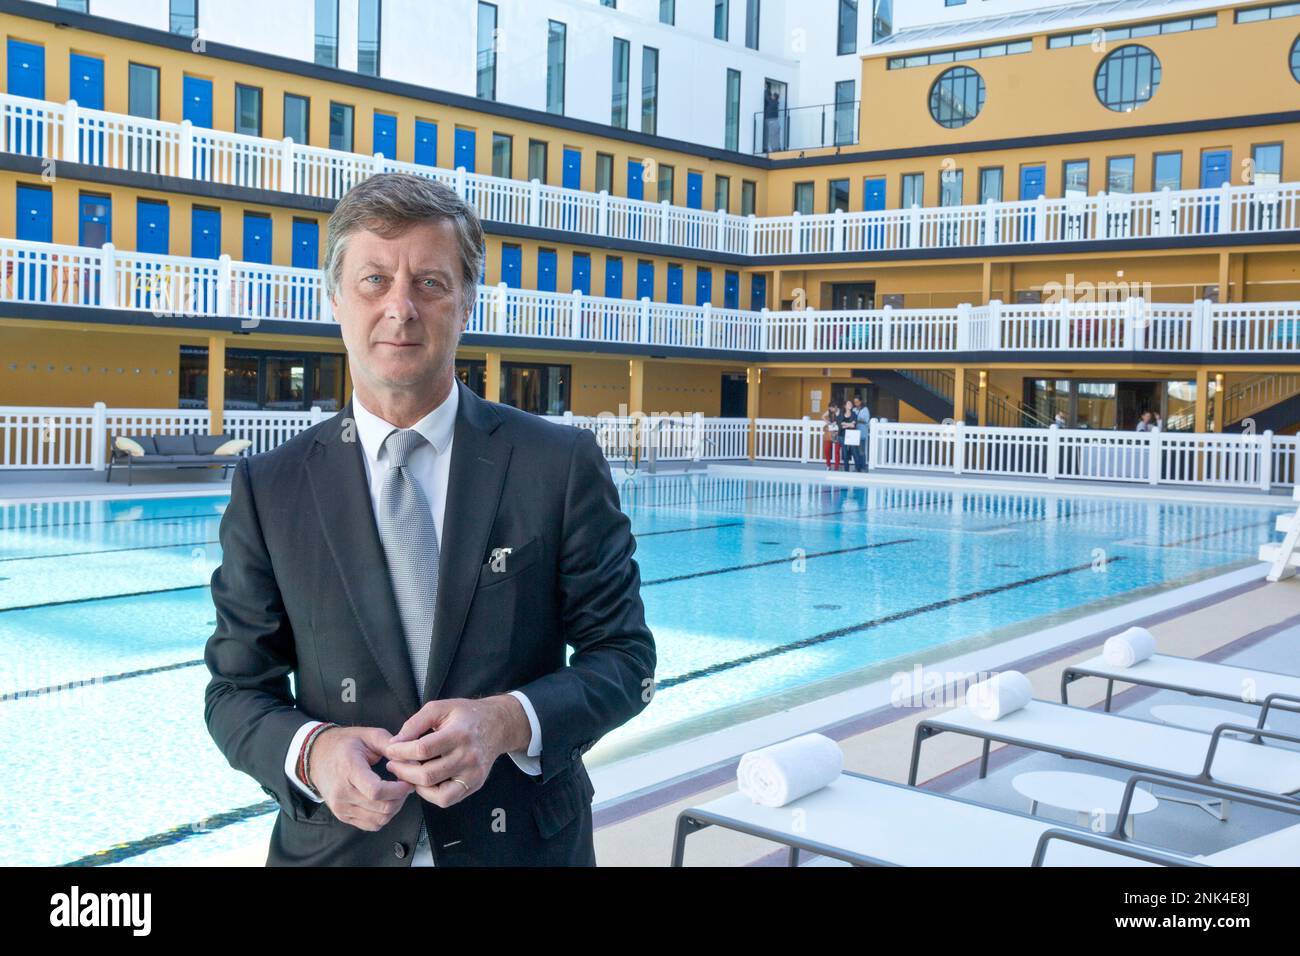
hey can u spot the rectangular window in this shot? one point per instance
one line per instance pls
(721, 13)
(612, 4)
(79, 6)
(248, 110)
(1167, 171)
(604, 173)
(751, 24)
(297, 112)
(1119, 174)
(733, 109)
(555, 35)
(502, 155)
(618, 83)
(837, 195)
(913, 185)
(665, 175)
(748, 192)
(1266, 164)
(649, 90)
(668, 12)
(540, 389)
(142, 90)
(803, 198)
(991, 184)
(846, 113)
(486, 59)
(368, 37)
(341, 127)
(537, 160)
(950, 187)
(327, 32)
(184, 17)
(846, 40)
(1075, 178)
(882, 19)
(721, 192)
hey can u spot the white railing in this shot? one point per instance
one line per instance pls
(48, 437)
(177, 286)
(69, 132)
(1258, 462)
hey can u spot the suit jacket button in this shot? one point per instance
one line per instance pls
(399, 850)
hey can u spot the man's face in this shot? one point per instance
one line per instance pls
(398, 304)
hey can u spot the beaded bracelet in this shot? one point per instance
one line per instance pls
(306, 754)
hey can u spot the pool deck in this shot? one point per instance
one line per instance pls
(1251, 623)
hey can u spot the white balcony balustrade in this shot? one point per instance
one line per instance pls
(71, 133)
(178, 287)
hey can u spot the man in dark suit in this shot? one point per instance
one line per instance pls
(418, 563)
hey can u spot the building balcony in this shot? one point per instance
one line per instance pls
(175, 288)
(67, 132)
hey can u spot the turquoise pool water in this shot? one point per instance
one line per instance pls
(754, 589)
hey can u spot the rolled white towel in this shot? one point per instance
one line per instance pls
(1124, 650)
(1001, 694)
(776, 775)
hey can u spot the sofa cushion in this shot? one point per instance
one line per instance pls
(145, 442)
(208, 444)
(233, 447)
(174, 444)
(128, 445)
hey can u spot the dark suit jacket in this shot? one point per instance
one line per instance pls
(303, 590)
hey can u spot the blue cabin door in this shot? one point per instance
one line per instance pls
(86, 86)
(464, 149)
(758, 293)
(1033, 183)
(196, 106)
(26, 78)
(257, 249)
(873, 200)
(305, 255)
(205, 243)
(1216, 169)
(426, 143)
(35, 224)
(94, 229)
(152, 227)
(385, 138)
(674, 293)
(731, 290)
(645, 280)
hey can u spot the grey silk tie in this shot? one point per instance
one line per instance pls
(410, 542)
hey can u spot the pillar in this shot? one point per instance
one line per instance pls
(983, 410)
(635, 386)
(986, 283)
(1202, 398)
(753, 385)
(492, 377)
(1218, 401)
(959, 394)
(216, 383)
(1225, 277)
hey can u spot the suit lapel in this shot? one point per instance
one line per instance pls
(477, 474)
(342, 495)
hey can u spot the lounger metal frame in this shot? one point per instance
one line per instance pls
(928, 728)
(694, 819)
(1104, 841)
(1077, 672)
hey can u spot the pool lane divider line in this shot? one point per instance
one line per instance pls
(103, 597)
(90, 681)
(700, 527)
(765, 564)
(82, 554)
(155, 841)
(825, 636)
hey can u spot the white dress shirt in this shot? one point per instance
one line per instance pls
(430, 465)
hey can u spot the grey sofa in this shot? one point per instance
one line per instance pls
(172, 451)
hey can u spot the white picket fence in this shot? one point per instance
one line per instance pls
(178, 286)
(49, 437)
(1241, 461)
(73, 133)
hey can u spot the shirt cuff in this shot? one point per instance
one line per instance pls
(530, 761)
(291, 759)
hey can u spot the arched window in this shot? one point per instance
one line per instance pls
(1127, 78)
(956, 97)
(1295, 59)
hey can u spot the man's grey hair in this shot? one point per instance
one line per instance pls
(388, 204)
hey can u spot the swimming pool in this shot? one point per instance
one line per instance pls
(757, 591)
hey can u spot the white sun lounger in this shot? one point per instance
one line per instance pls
(1201, 678)
(871, 822)
(1139, 745)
